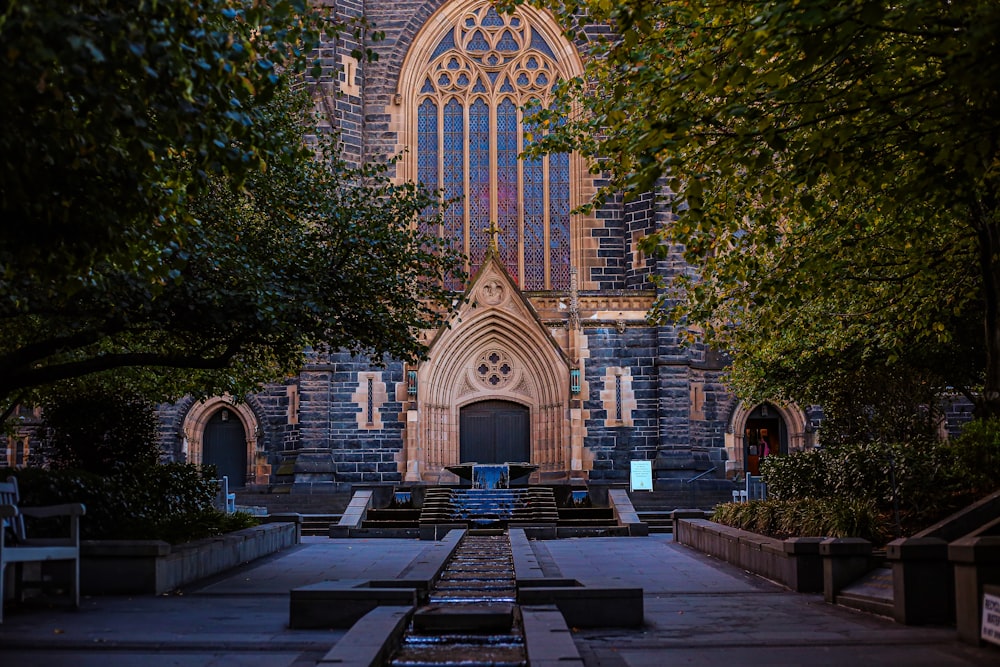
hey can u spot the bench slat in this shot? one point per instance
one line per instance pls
(25, 550)
(26, 554)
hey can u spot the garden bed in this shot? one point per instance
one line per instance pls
(129, 567)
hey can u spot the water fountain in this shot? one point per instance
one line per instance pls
(492, 475)
(490, 501)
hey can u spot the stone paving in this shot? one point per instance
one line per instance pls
(699, 611)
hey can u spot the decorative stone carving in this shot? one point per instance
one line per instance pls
(524, 388)
(492, 292)
(465, 389)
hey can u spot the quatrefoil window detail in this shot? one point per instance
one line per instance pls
(494, 368)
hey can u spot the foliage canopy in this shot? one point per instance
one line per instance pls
(835, 165)
(162, 209)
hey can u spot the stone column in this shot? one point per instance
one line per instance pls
(414, 453)
(674, 457)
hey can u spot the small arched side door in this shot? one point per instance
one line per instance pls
(225, 447)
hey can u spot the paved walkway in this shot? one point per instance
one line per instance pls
(699, 611)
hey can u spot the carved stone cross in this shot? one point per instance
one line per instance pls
(494, 231)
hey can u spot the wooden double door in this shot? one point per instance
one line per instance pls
(495, 432)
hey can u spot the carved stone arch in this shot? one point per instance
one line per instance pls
(197, 418)
(409, 33)
(451, 379)
(510, 398)
(791, 414)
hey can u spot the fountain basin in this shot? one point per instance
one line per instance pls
(492, 475)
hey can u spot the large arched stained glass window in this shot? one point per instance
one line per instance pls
(470, 128)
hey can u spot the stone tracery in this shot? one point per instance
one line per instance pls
(474, 81)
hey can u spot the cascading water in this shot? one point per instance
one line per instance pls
(489, 477)
(471, 617)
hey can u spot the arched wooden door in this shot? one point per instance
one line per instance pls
(225, 447)
(495, 432)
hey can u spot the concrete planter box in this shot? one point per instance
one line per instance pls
(794, 563)
(130, 567)
(976, 559)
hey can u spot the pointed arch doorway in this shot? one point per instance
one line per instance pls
(494, 431)
(225, 446)
(765, 433)
(781, 427)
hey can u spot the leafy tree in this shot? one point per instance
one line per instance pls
(164, 216)
(836, 164)
(99, 426)
(876, 403)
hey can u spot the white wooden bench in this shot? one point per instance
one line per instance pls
(16, 548)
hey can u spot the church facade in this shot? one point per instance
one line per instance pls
(548, 358)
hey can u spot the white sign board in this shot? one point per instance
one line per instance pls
(991, 618)
(641, 478)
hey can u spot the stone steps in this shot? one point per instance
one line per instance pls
(494, 506)
(658, 522)
(872, 593)
(318, 524)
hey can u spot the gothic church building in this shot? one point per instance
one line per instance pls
(549, 358)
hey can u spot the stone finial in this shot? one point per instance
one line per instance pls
(493, 248)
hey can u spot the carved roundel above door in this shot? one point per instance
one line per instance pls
(492, 292)
(495, 369)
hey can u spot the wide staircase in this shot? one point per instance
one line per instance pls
(490, 508)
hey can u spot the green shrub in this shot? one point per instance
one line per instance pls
(806, 517)
(100, 448)
(927, 480)
(797, 475)
(973, 459)
(171, 502)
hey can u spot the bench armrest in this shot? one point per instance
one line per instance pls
(8, 511)
(68, 509)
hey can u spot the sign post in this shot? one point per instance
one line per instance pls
(641, 478)
(990, 630)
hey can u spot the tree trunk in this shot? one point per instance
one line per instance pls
(989, 259)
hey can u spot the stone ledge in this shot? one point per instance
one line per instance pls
(124, 548)
(976, 559)
(372, 641)
(129, 567)
(923, 581)
(464, 618)
(340, 604)
(547, 639)
(625, 513)
(586, 606)
(795, 563)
